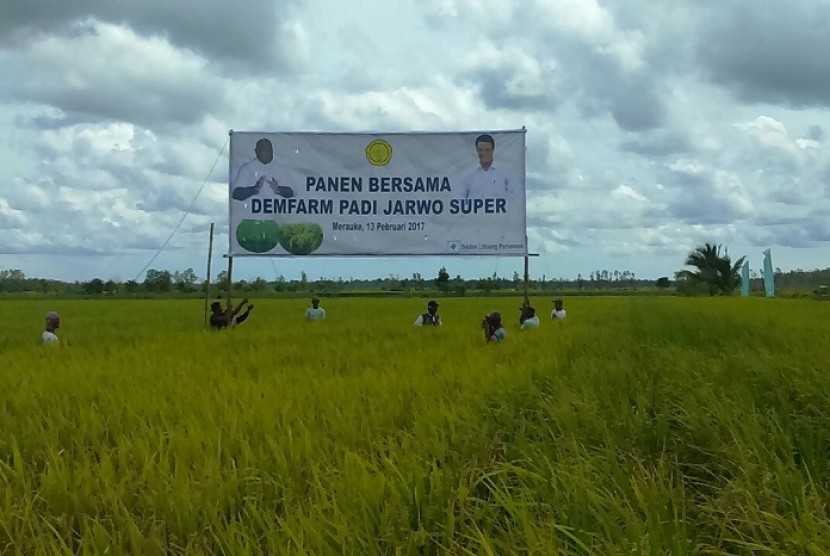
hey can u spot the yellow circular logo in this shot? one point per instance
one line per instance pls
(378, 152)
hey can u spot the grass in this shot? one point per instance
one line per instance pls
(644, 426)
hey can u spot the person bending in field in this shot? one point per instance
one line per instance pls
(227, 318)
(315, 312)
(431, 317)
(493, 329)
(528, 317)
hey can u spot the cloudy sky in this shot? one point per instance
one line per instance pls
(652, 126)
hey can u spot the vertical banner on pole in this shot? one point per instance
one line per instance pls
(769, 274)
(527, 276)
(745, 280)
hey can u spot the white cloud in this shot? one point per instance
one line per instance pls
(11, 217)
(146, 80)
(643, 137)
(772, 134)
(688, 167)
(587, 20)
(101, 139)
(436, 104)
(625, 193)
(527, 75)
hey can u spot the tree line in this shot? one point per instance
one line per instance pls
(160, 281)
(712, 273)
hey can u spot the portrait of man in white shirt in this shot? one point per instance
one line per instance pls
(258, 172)
(489, 178)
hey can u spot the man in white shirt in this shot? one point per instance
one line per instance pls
(53, 322)
(254, 174)
(558, 312)
(488, 178)
(528, 318)
(315, 312)
(431, 317)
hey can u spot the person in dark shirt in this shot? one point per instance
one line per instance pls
(528, 317)
(431, 317)
(227, 318)
(492, 327)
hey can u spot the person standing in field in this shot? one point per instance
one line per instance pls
(528, 317)
(558, 312)
(227, 318)
(493, 329)
(53, 322)
(315, 312)
(431, 317)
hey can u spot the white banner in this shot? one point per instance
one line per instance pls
(360, 194)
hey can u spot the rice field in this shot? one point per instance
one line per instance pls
(637, 426)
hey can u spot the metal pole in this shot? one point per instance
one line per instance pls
(527, 274)
(207, 279)
(230, 280)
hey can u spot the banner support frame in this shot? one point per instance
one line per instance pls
(230, 282)
(207, 276)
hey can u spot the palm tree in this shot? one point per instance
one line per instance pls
(714, 270)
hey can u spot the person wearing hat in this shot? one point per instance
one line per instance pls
(528, 317)
(227, 318)
(431, 317)
(53, 322)
(493, 329)
(315, 312)
(558, 312)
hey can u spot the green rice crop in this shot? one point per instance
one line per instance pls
(636, 426)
